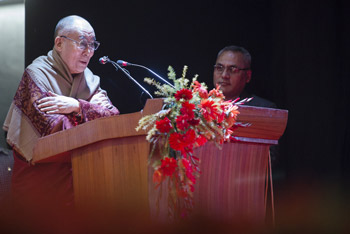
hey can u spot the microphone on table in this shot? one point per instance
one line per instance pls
(124, 64)
(105, 59)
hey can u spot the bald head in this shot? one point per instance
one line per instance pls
(70, 24)
(247, 58)
(75, 42)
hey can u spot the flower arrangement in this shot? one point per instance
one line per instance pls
(190, 117)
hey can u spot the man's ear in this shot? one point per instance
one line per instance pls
(249, 76)
(58, 43)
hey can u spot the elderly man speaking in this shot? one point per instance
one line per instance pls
(57, 92)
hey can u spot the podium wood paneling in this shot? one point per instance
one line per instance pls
(232, 181)
(109, 162)
(112, 173)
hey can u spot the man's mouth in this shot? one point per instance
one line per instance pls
(223, 83)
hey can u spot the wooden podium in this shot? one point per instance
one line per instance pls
(110, 163)
(234, 180)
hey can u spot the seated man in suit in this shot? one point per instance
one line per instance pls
(232, 72)
(57, 92)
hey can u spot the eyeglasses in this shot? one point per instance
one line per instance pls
(230, 69)
(83, 44)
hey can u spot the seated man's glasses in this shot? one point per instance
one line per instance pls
(83, 44)
(230, 69)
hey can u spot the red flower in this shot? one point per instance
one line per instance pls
(201, 140)
(183, 142)
(216, 92)
(197, 87)
(183, 93)
(164, 125)
(209, 110)
(168, 166)
(181, 122)
(221, 117)
(187, 109)
(175, 141)
(189, 138)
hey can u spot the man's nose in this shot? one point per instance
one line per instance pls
(225, 74)
(88, 51)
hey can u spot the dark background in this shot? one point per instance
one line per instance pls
(300, 61)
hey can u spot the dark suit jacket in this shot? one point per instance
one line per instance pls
(257, 101)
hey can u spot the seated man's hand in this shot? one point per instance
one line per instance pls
(56, 104)
(101, 99)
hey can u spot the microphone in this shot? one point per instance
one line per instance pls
(105, 59)
(124, 64)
